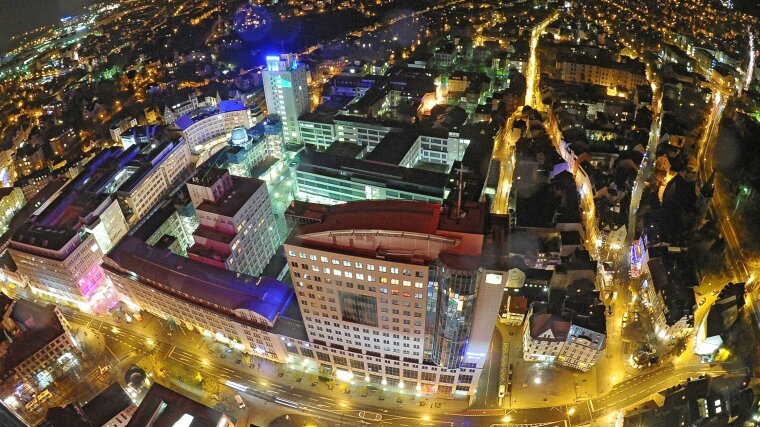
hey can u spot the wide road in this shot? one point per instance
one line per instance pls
(191, 350)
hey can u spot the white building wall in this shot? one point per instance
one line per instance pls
(197, 317)
(286, 92)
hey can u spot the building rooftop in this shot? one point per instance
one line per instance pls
(39, 326)
(163, 407)
(153, 221)
(231, 105)
(392, 215)
(107, 404)
(549, 327)
(679, 298)
(316, 118)
(392, 148)
(190, 279)
(345, 149)
(207, 176)
(394, 177)
(634, 67)
(52, 238)
(234, 198)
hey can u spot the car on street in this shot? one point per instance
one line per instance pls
(511, 368)
(239, 401)
(625, 319)
(502, 390)
(373, 416)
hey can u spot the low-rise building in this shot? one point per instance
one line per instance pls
(208, 127)
(329, 179)
(11, 201)
(574, 335)
(232, 307)
(164, 407)
(37, 343)
(670, 301)
(579, 68)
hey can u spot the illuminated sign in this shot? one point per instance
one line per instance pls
(638, 256)
(273, 63)
(493, 279)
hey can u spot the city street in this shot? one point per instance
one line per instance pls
(193, 354)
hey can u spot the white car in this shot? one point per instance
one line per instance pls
(239, 401)
(502, 391)
(625, 319)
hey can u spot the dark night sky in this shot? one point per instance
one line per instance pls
(18, 16)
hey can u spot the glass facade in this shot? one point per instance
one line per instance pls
(456, 294)
(358, 308)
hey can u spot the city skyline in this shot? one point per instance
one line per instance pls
(435, 213)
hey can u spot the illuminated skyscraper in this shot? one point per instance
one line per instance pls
(398, 289)
(287, 92)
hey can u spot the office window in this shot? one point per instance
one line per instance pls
(358, 308)
(428, 376)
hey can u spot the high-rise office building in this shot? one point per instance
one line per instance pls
(400, 289)
(287, 92)
(237, 228)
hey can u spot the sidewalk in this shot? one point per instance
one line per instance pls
(359, 391)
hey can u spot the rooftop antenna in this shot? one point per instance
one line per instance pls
(460, 186)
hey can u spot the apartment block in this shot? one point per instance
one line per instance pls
(39, 342)
(569, 330)
(237, 229)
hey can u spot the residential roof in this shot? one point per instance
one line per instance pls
(679, 301)
(106, 405)
(163, 407)
(39, 327)
(545, 322)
